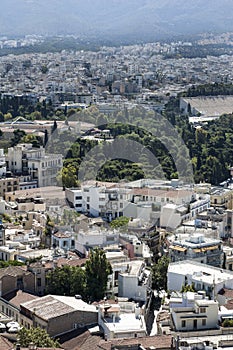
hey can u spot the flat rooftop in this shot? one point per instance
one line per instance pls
(192, 241)
(200, 272)
(126, 323)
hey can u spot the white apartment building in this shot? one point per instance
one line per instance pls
(63, 240)
(95, 237)
(145, 203)
(99, 200)
(204, 277)
(24, 159)
(196, 247)
(135, 282)
(116, 324)
(193, 311)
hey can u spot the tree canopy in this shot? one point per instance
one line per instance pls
(39, 337)
(159, 274)
(66, 280)
(90, 281)
(121, 221)
(97, 270)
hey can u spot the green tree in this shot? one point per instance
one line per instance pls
(44, 69)
(39, 337)
(159, 274)
(67, 177)
(66, 280)
(188, 288)
(97, 270)
(122, 221)
(18, 135)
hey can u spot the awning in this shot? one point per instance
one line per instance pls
(209, 248)
(177, 247)
(197, 250)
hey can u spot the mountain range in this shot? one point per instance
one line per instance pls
(116, 18)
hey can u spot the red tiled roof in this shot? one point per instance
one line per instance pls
(71, 262)
(228, 293)
(229, 304)
(159, 342)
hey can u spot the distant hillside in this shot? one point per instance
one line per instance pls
(115, 18)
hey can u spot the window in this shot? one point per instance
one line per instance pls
(202, 310)
(183, 323)
(88, 199)
(38, 282)
(204, 322)
(78, 198)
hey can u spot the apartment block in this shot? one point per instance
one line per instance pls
(24, 160)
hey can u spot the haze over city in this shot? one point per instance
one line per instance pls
(142, 19)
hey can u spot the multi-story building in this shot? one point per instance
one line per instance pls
(117, 324)
(86, 240)
(135, 282)
(63, 240)
(9, 184)
(111, 201)
(221, 197)
(99, 200)
(24, 159)
(193, 312)
(204, 277)
(197, 247)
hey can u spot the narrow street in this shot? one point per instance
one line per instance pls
(154, 326)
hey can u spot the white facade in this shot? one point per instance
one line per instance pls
(116, 324)
(172, 215)
(135, 283)
(85, 240)
(204, 277)
(196, 247)
(194, 312)
(98, 200)
(63, 240)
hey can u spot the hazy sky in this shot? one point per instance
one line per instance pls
(115, 17)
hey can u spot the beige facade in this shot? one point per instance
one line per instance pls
(221, 197)
(8, 185)
(24, 159)
(13, 278)
(195, 314)
(58, 314)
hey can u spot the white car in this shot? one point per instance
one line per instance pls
(12, 324)
(13, 329)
